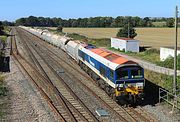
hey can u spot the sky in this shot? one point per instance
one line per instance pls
(13, 9)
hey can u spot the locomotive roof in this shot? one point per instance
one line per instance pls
(111, 56)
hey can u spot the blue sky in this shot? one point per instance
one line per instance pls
(14, 9)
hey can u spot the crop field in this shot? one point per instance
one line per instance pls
(150, 37)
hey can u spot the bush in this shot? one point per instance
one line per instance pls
(100, 42)
(127, 28)
(76, 36)
(151, 51)
(3, 90)
(59, 29)
(169, 62)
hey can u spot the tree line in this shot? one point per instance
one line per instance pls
(1, 28)
(90, 22)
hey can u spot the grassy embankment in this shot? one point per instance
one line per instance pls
(4, 37)
(3, 88)
(3, 94)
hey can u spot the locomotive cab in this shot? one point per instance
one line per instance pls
(130, 82)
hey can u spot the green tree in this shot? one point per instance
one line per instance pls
(1, 28)
(59, 28)
(170, 22)
(127, 28)
(21, 21)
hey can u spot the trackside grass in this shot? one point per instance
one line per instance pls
(3, 94)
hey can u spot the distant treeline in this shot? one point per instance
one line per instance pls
(91, 22)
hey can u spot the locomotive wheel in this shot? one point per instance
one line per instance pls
(102, 84)
(132, 99)
(107, 89)
(99, 84)
(113, 96)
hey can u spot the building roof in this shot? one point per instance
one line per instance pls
(125, 39)
(111, 56)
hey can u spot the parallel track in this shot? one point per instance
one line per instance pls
(123, 116)
(129, 114)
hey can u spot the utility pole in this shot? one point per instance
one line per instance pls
(175, 58)
(128, 29)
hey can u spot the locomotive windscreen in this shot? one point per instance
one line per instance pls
(129, 72)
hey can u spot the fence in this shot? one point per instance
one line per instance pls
(168, 97)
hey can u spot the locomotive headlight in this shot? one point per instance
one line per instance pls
(120, 87)
(139, 85)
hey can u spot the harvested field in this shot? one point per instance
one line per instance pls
(153, 37)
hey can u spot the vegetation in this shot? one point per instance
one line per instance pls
(104, 42)
(3, 38)
(159, 24)
(170, 22)
(169, 62)
(59, 29)
(76, 36)
(3, 93)
(127, 31)
(87, 22)
(6, 23)
(3, 32)
(162, 80)
(1, 28)
(3, 89)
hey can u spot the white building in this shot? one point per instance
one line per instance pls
(166, 52)
(126, 44)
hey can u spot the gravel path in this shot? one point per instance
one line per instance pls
(24, 103)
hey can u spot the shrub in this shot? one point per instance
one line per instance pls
(169, 62)
(59, 29)
(151, 51)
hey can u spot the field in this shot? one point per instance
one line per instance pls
(151, 37)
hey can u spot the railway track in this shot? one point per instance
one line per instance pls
(122, 117)
(128, 114)
(65, 109)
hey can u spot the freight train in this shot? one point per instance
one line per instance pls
(119, 77)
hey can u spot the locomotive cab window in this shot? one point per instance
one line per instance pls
(136, 73)
(122, 74)
(81, 54)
